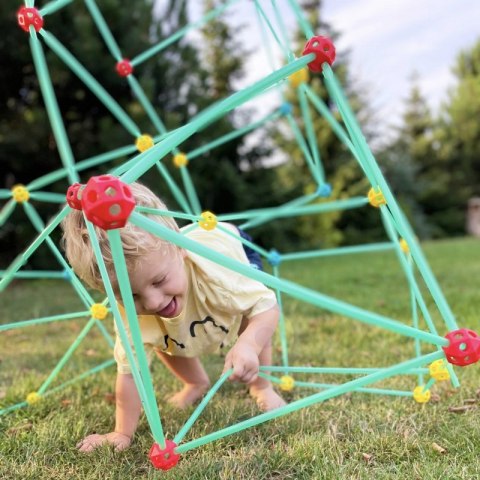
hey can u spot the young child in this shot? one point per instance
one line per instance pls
(187, 305)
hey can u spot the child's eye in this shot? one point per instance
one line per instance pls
(158, 282)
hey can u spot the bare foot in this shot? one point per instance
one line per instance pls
(267, 398)
(188, 395)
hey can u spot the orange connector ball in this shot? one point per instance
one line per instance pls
(20, 193)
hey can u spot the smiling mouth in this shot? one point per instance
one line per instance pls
(169, 310)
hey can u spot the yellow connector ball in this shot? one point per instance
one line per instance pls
(98, 311)
(144, 142)
(420, 395)
(376, 198)
(208, 220)
(20, 193)
(33, 397)
(180, 160)
(404, 246)
(438, 370)
(299, 77)
(287, 383)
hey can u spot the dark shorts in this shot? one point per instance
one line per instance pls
(253, 256)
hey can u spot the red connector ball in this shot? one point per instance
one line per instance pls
(464, 347)
(107, 202)
(124, 68)
(29, 16)
(324, 50)
(73, 197)
(166, 458)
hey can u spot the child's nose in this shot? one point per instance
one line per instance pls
(152, 302)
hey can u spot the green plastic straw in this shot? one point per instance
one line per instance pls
(304, 24)
(305, 402)
(308, 210)
(66, 356)
(131, 314)
(293, 203)
(375, 247)
(37, 274)
(230, 136)
(121, 329)
(4, 194)
(297, 291)
(180, 33)
(206, 117)
(339, 370)
(244, 241)
(167, 213)
(145, 102)
(48, 197)
(51, 105)
(87, 78)
(52, 7)
(282, 326)
(191, 193)
(206, 399)
(103, 29)
(7, 210)
(105, 333)
(38, 321)
(311, 136)
(177, 193)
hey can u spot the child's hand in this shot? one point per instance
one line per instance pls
(118, 440)
(244, 361)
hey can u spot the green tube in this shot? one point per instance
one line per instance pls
(103, 29)
(305, 402)
(376, 391)
(304, 24)
(86, 77)
(180, 33)
(38, 321)
(51, 105)
(12, 408)
(145, 102)
(311, 137)
(177, 193)
(282, 326)
(308, 210)
(229, 136)
(48, 197)
(105, 333)
(66, 357)
(244, 241)
(4, 194)
(118, 320)
(131, 314)
(54, 6)
(201, 407)
(338, 370)
(210, 114)
(7, 210)
(167, 213)
(191, 193)
(293, 203)
(297, 291)
(429, 384)
(283, 28)
(37, 274)
(376, 247)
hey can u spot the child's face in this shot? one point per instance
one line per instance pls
(159, 283)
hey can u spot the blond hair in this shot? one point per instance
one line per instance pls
(135, 241)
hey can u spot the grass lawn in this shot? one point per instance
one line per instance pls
(354, 436)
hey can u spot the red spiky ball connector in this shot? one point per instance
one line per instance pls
(73, 197)
(124, 68)
(107, 202)
(164, 458)
(29, 16)
(324, 51)
(464, 347)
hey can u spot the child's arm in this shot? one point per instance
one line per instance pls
(128, 409)
(243, 357)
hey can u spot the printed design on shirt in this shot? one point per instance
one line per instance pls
(178, 344)
(203, 322)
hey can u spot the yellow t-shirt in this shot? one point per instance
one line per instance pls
(217, 300)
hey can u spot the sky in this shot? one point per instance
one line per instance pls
(387, 41)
